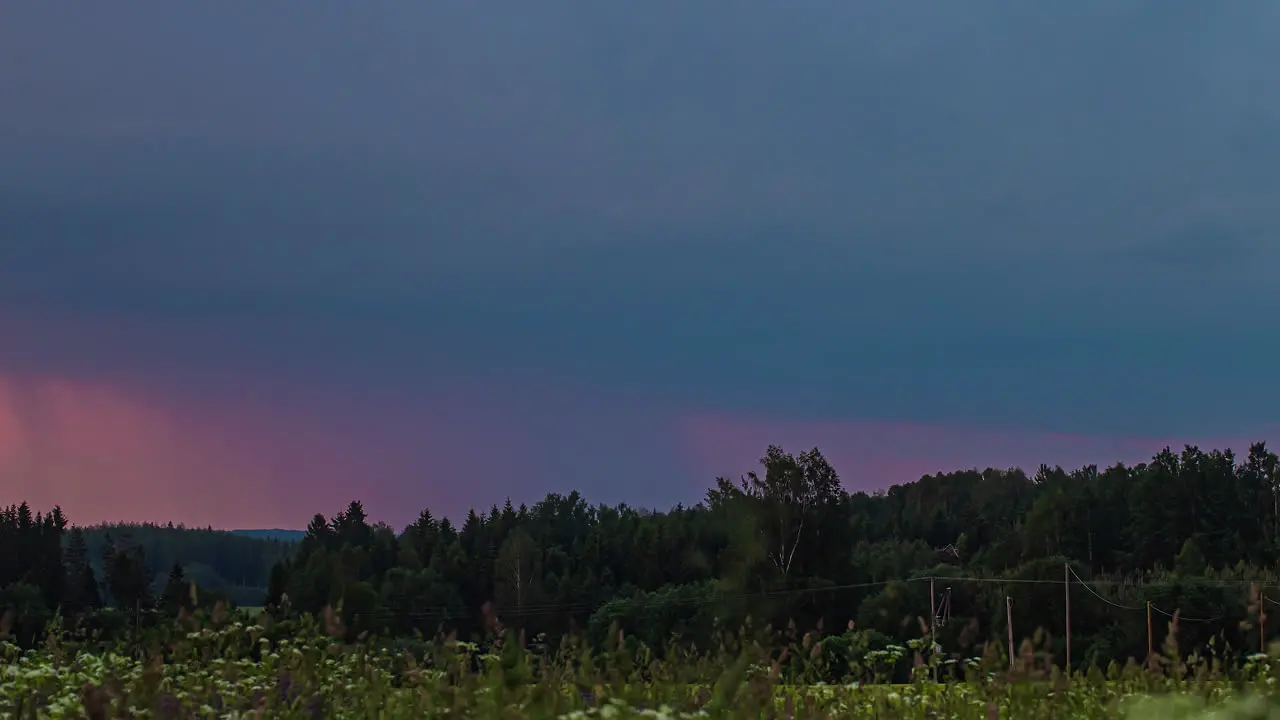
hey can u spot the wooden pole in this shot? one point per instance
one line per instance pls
(933, 614)
(1151, 654)
(1008, 620)
(933, 630)
(1066, 592)
(1262, 621)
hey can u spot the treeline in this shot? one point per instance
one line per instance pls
(48, 567)
(231, 563)
(788, 548)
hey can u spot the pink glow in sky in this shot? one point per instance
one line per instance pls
(104, 453)
(115, 452)
(243, 457)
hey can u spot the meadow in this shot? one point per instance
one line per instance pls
(233, 665)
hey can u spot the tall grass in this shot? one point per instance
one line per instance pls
(230, 665)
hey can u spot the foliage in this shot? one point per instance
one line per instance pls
(235, 565)
(959, 554)
(227, 665)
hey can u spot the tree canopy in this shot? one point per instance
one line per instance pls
(786, 547)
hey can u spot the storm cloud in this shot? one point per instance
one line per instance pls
(1054, 218)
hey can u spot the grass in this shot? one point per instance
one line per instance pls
(243, 667)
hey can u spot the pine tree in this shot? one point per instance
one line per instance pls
(127, 575)
(177, 591)
(81, 583)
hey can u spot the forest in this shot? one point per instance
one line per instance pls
(957, 556)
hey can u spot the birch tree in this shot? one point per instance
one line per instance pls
(516, 572)
(784, 504)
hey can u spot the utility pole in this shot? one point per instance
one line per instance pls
(1008, 619)
(933, 617)
(1151, 654)
(933, 629)
(1066, 593)
(1262, 621)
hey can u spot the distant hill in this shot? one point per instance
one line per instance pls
(273, 534)
(237, 563)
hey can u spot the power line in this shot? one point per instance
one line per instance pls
(1096, 594)
(656, 601)
(1201, 582)
(1181, 618)
(648, 602)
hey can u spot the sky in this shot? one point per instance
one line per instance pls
(259, 260)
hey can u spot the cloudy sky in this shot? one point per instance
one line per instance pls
(257, 260)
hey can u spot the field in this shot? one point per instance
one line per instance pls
(240, 671)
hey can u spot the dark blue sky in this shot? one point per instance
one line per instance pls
(1043, 218)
